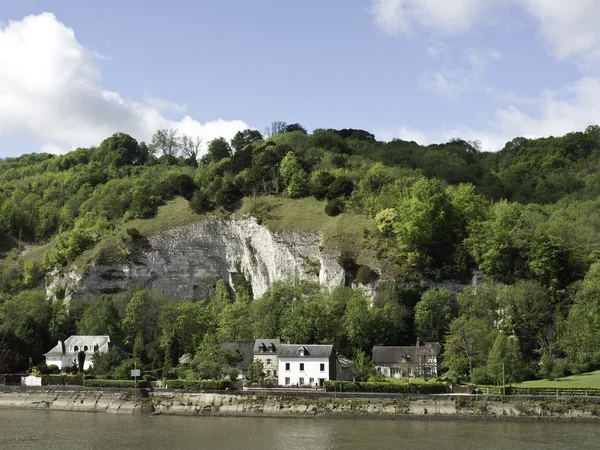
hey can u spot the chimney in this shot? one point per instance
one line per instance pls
(418, 342)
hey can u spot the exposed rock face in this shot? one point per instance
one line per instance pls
(186, 262)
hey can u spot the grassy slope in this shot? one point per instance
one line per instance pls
(344, 232)
(173, 214)
(583, 380)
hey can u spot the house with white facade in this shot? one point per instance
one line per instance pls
(64, 354)
(266, 350)
(306, 365)
(420, 360)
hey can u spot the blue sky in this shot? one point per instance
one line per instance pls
(427, 70)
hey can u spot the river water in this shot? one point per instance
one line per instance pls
(33, 430)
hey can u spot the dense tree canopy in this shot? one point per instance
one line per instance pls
(528, 217)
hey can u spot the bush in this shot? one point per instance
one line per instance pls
(334, 207)
(62, 380)
(386, 387)
(480, 376)
(365, 275)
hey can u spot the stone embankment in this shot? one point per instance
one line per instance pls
(297, 405)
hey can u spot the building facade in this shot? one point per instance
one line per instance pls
(420, 360)
(64, 354)
(306, 365)
(266, 350)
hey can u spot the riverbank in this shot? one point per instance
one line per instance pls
(244, 404)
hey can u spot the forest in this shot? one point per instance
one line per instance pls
(527, 216)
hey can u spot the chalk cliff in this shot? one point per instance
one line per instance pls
(186, 262)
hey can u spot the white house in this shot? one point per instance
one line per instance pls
(265, 350)
(65, 353)
(306, 365)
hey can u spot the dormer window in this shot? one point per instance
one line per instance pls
(303, 351)
(76, 348)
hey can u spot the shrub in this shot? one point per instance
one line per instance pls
(334, 207)
(365, 275)
(480, 376)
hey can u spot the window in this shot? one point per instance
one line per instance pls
(287, 366)
(268, 360)
(76, 348)
(301, 366)
(322, 367)
(85, 349)
(287, 380)
(311, 380)
(301, 381)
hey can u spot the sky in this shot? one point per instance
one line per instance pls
(72, 73)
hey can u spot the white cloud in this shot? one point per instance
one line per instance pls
(447, 16)
(163, 105)
(570, 28)
(51, 90)
(449, 83)
(437, 48)
(558, 113)
(480, 58)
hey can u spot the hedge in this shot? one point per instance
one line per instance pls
(387, 387)
(220, 385)
(63, 380)
(115, 383)
(571, 391)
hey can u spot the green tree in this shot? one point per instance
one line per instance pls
(235, 320)
(581, 336)
(167, 142)
(245, 138)
(293, 176)
(433, 314)
(362, 366)
(468, 344)
(256, 371)
(505, 362)
(218, 149)
(101, 318)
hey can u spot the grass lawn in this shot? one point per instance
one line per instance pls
(583, 380)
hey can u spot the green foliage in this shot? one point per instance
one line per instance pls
(504, 361)
(433, 314)
(362, 366)
(431, 387)
(101, 318)
(96, 382)
(256, 371)
(204, 385)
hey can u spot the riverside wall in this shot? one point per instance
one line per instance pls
(140, 401)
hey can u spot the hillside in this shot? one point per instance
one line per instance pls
(393, 215)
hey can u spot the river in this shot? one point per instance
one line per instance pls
(33, 430)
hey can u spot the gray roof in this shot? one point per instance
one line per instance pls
(80, 341)
(311, 351)
(266, 346)
(244, 349)
(393, 355)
